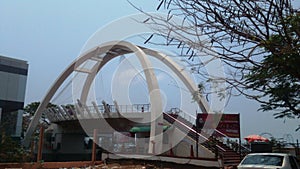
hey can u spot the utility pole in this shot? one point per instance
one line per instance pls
(297, 148)
(41, 141)
(95, 143)
(197, 136)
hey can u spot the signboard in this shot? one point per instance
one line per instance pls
(229, 124)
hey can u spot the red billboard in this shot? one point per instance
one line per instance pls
(229, 124)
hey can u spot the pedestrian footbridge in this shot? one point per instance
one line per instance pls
(129, 132)
(141, 129)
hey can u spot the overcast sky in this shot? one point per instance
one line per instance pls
(49, 35)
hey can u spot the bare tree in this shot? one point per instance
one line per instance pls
(242, 33)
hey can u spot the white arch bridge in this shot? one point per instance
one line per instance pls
(101, 55)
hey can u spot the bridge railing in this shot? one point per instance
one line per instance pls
(122, 108)
(64, 113)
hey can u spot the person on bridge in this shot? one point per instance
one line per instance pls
(108, 107)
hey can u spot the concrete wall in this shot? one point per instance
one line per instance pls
(13, 75)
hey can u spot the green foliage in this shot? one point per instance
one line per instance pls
(11, 151)
(30, 110)
(32, 107)
(278, 75)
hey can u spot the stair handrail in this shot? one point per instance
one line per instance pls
(227, 137)
(194, 131)
(192, 119)
(188, 127)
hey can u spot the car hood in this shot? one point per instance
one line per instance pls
(258, 167)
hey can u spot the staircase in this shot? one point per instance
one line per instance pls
(221, 150)
(230, 156)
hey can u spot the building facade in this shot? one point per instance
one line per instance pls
(13, 78)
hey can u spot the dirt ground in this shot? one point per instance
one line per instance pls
(107, 164)
(119, 166)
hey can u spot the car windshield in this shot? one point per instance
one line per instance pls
(272, 160)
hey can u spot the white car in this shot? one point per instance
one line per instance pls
(269, 161)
